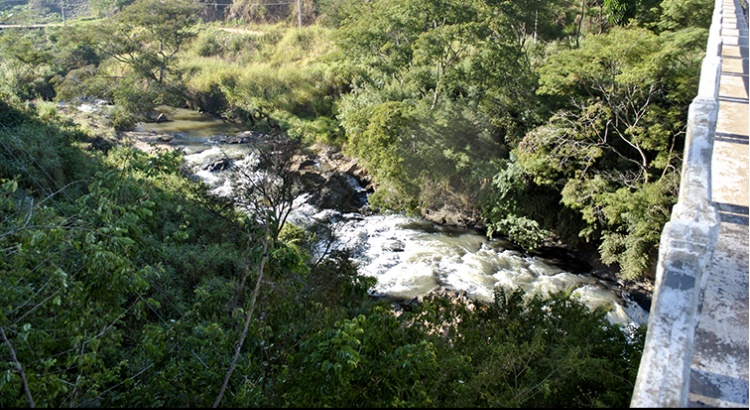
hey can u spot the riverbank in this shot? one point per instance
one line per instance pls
(329, 176)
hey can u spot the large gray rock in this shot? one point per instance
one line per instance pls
(333, 181)
(450, 215)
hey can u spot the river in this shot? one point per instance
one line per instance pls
(409, 256)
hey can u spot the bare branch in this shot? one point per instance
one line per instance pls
(249, 316)
(18, 367)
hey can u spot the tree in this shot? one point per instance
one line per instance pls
(613, 147)
(533, 351)
(108, 7)
(147, 35)
(511, 205)
(620, 76)
(620, 12)
(686, 13)
(266, 191)
(26, 66)
(452, 76)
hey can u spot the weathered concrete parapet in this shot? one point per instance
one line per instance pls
(686, 248)
(685, 252)
(694, 201)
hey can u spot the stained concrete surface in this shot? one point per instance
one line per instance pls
(719, 371)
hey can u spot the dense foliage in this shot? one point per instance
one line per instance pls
(124, 284)
(571, 131)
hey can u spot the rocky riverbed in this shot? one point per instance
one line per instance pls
(336, 189)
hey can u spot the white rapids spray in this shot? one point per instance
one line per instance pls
(411, 257)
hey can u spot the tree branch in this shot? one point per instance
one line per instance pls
(18, 367)
(247, 320)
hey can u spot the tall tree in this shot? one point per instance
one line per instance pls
(147, 35)
(613, 150)
(266, 190)
(145, 38)
(620, 12)
(451, 74)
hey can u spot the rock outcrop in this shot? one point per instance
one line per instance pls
(333, 180)
(451, 215)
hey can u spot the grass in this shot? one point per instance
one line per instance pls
(284, 69)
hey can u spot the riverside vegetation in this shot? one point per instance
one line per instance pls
(124, 284)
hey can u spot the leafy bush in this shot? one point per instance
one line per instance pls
(522, 351)
(37, 150)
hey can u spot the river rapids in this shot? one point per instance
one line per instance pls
(409, 256)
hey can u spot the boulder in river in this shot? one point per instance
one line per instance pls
(338, 193)
(219, 165)
(394, 245)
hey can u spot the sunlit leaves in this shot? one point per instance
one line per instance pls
(621, 11)
(677, 14)
(604, 64)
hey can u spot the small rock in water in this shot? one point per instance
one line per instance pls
(237, 140)
(217, 139)
(394, 245)
(409, 306)
(242, 138)
(220, 165)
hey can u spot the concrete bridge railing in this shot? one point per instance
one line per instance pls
(686, 247)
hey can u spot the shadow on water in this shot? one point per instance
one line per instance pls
(496, 242)
(562, 258)
(431, 228)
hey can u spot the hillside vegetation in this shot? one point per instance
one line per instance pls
(125, 284)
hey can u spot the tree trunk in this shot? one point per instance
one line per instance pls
(236, 357)
(580, 22)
